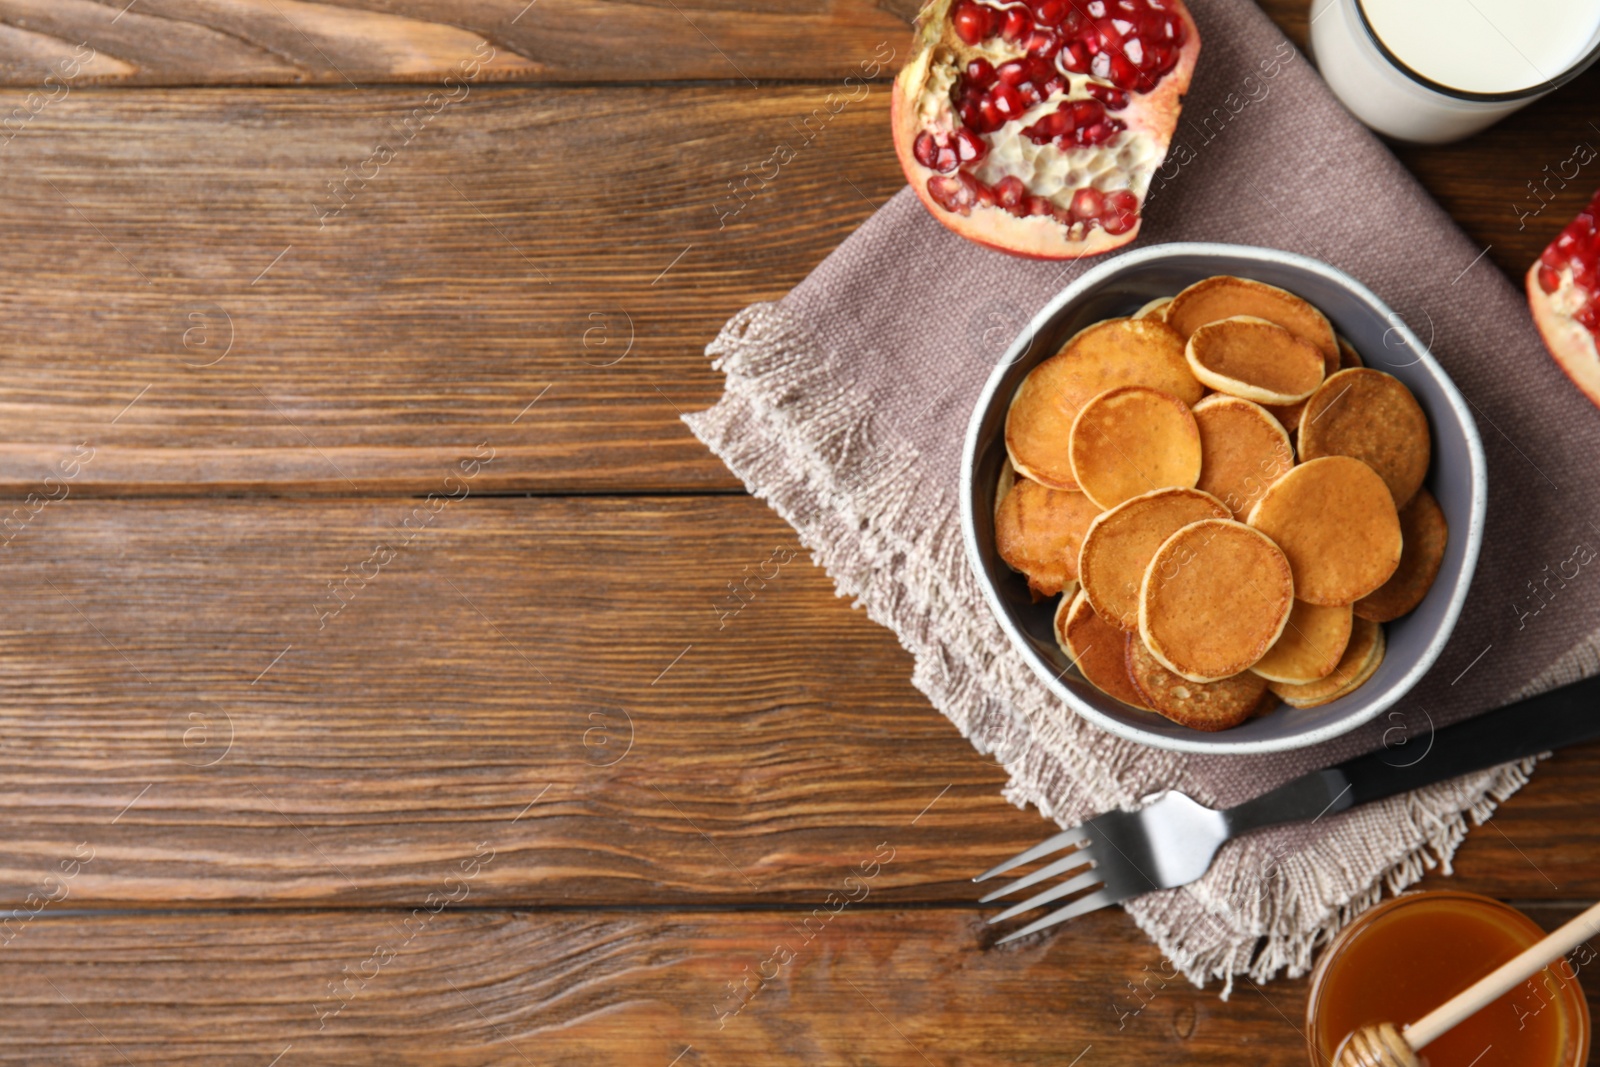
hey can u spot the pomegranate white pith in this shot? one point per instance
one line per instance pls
(1035, 127)
(1564, 295)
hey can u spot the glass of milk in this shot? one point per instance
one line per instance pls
(1433, 71)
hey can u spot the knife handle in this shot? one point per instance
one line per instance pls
(1561, 717)
(1549, 721)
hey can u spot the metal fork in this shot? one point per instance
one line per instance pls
(1172, 839)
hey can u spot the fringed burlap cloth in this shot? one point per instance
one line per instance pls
(847, 400)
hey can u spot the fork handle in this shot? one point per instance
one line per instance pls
(1561, 717)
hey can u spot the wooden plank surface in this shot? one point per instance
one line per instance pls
(871, 985)
(358, 44)
(541, 716)
(571, 678)
(214, 317)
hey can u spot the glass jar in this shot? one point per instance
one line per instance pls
(1387, 93)
(1407, 956)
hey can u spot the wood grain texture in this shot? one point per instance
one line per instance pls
(223, 303)
(220, 302)
(569, 680)
(359, 44)
(872, 985)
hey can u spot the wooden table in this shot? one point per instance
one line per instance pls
(369, 696)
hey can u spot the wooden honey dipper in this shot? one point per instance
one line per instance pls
(1384, 1045)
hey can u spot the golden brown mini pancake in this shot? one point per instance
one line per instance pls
(1311, 646)
(1335, 520)
(1426, 533)
(1254, 359)
(1369, 415)
(1039, 531)
(1097, 649)
(1215, 597)
(1120, 543)
(1155, 309)
(1348, 356)
(1131, 440)
(1208, 706)
(1288, 415)
(1103, 356)
(1361, 659)
(1243, 450)
(1223, 297)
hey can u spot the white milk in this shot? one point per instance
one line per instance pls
(1485, 46)
(1505, 47)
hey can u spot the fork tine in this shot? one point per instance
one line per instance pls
(1043, 848)
(1093, 902)
(1076, 858)
(1055, 892)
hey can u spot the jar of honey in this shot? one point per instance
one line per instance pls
(1407, 956)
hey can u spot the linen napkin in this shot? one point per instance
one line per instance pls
(846, 403)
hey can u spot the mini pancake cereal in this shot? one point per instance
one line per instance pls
(1361, 659)
(1335, 520)
(1155, 309)
(1425, 535)
(1371, 416)
(1121, 542)
(1228, 502)
(1224, 297)
(1039, 530)
(1311, 646)
(1098, 649)
(1215, 598)
(1130, 440)
(1254, 359)
(1208, 706)
(1243, 450)
(1104, 356)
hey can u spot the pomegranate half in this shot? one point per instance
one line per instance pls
(1564, 293)
(1034, 126)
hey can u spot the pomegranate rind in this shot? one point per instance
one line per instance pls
(1155, 115)
(1571, 346)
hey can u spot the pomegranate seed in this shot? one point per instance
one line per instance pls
(1549, 280)
(1038, 205)
(1123, 201)
(1588, 316)
(1016, 25)
(1075, 57)
(1041, 44)
(1049, 12)
(949, 194)
(1052, 86)
(1008, 102)
(1087, 204)
(981, 193)
(970, 115)
(1123, 73)
(992, 119)
(1013, 73)
(1118, 223)
(1099, 133)
(972, 21)
(970, 146)
(925, 149)
(1011, 194)
(980, 72)
(1087, 112)
(1113, 98)
(948, 160)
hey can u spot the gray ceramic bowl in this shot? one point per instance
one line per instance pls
(1457, 479)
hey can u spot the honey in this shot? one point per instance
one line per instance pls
(1409, 955)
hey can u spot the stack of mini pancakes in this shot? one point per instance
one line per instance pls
(1228, 503)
